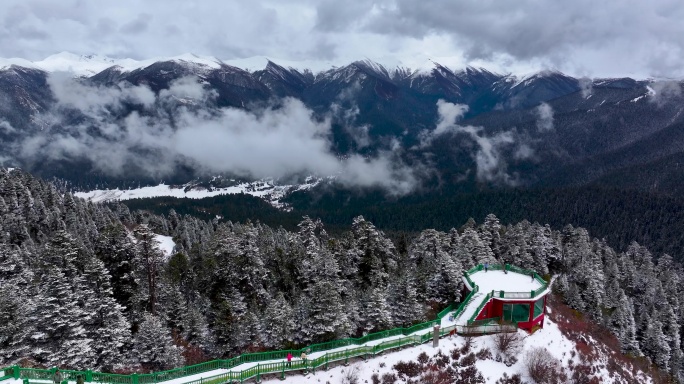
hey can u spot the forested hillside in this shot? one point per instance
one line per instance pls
(618, 216)
(85, 285)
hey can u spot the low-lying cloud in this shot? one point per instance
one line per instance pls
(586, 87)
(660, 92)
(544, 117)
(168, 128)
(491, 165)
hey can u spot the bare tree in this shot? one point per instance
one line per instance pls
(151, 259)
(351, 375)
(543, 368)
(508, 343)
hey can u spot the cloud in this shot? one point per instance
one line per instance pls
(586, 87)
(137, 26)
(607, 38)
(660, 92)
(491, 166)
(448, 114)
(94, 100)
(489, 159)
(169, 129)
(544, 117)
(6, 127)
(345, 111)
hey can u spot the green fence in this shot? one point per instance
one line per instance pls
(262, 363)
(9, 373)
(262, 366)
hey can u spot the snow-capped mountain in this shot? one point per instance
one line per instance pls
(369, 106)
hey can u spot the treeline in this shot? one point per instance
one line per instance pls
(618, 216)
(86, 286)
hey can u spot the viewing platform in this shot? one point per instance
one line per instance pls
(503, 295)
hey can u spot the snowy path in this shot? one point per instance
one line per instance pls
(470, 309)
(203, 375)
(486, 281)
(311, 356)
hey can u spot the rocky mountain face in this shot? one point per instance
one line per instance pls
(542, 129)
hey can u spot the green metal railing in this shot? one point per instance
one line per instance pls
(9, 373)
(479, 308)
(264, 361)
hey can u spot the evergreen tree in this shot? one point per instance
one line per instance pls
(406, 309)
(153, 345)
(278, 323)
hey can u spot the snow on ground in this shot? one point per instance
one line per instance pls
(500, 281)
(166, 244)
(187, 379)
(549, 337)
(265, 189)
(470, 309)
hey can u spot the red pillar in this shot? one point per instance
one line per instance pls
(531, 315)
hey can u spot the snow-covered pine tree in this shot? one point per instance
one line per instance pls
(278, 323)
(16, 303)
(153, 346)
(474, 245)
(404, 303)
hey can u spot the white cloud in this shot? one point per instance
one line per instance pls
(662, 91)
(449, 114)
(275, 141)
(586, 86)
(544, 117)
(489, 160)
(6, 127)
(641, 38)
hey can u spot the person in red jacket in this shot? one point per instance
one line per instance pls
(289, 359)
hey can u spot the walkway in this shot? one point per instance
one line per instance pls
(511, 285)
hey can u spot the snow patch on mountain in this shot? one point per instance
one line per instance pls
(266, 189)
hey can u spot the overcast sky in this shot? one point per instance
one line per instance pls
(581, 37)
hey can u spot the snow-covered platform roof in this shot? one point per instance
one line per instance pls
(508, 282)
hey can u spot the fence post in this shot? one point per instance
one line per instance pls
(135, 378)
(258, 378)
(16, 372)
(89, 375)
(435, 336)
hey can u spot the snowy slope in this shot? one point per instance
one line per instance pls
(166, 244)
(266, 189)
(549, 337)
